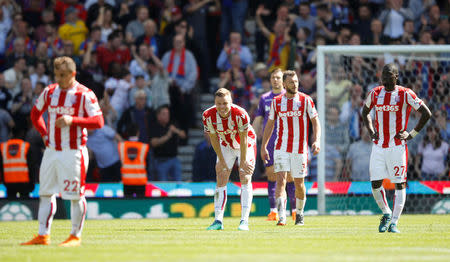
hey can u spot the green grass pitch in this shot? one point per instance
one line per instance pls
(323, 238)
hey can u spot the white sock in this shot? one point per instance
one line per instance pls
(300, 204)
(399, 203)
(281, 206)
(246, 201)
(220, 200)
(77, 214)
(380, 197)
(47, 209)
(274, 210)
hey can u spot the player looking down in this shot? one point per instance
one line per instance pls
(72, 108)
(292, 112)
(392, 104)
(232, 136)
(262, 115)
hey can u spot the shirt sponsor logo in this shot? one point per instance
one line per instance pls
(228, 131)
(62, 110)
(290, 114)
(387, 108)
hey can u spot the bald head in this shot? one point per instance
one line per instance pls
(389, 75)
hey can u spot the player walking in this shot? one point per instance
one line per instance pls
(232, 136)
(262, 114)
(71, 109)
(292, 112)
(388, 159)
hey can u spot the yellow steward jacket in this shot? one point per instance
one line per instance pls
(14, 156)
(133, 156)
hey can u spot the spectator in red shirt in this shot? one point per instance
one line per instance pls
(113, 51)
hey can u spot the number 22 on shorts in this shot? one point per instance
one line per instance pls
(68, 186)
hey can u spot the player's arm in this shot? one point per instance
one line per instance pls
(257, 125)
(315, 147)
(93, 120)
(368, 122)
(425, 115)
(267, 133)
(38, 122)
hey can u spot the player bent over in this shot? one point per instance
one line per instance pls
(232, 136)
(262, 114)
(292, 112)
(72, 108)
(392, 104)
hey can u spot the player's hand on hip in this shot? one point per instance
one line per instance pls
(374, 136)
(63, 121)
(403, 135)
(265, 155)
(315, 148)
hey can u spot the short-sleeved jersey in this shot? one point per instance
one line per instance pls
(228, 128)
(292, 115)
(392, 111)
(77, 101)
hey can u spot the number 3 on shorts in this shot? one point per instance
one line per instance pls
(397, 169)
(74, 184)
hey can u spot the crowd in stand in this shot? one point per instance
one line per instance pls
(148, 60)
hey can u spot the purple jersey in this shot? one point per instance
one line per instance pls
(263, 110)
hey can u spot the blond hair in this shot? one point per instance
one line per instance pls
(276, 70)
(64, 63)
(222, 92)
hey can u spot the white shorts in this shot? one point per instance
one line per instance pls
(290, 162)
(389, 163)
(63, 172)
(230, 155)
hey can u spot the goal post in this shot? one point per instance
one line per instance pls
(336, 59)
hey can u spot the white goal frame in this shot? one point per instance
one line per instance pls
(351, 49)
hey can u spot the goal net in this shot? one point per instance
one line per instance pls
(345, 75)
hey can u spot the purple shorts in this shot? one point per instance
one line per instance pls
(270, 149)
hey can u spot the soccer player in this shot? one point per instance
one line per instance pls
(388, 159)
(292, 112)
(232, 136)
(261, 118)
(72, 108)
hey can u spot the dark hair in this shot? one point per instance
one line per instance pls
(132, 129)
(96, 28)
(114, 34)
(288, 73)
(438, 141)
(161, 107)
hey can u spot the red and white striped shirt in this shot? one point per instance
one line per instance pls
(293, 115)
(392, 111)
(228, 128)
(78, 101)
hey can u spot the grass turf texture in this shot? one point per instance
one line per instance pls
(323, 238)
